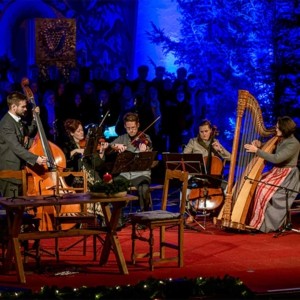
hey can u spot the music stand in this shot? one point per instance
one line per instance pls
(133, 161)
(92, 138)
(210, 181)
(192, 163)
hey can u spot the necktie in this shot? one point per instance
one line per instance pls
(21, 126)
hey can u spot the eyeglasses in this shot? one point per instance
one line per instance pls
(131, 128)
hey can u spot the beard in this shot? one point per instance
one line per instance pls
(20, 113)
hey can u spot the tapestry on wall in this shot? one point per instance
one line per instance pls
(55, 43)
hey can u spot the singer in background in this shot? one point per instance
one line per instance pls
(269, 203)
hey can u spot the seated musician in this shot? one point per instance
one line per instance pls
(269, 202)
(73, 148)
(135, 142)
(206, 144)
(205, 139)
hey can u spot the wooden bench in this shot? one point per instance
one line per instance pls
(38, 235)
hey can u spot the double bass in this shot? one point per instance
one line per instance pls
(42, 178)
(210, 195)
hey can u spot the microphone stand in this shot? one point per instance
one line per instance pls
(287, 223)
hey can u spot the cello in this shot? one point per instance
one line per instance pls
(42, 178)
(209, 196)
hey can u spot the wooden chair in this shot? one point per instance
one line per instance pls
(152, 188)
(19, 175)
(161, 219)
(73, 215)
(29, 223)
(294, 209)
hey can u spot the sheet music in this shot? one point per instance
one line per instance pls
(192, 162)
(133, 161)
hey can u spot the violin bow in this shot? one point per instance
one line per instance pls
(142, 132)
(103, 119)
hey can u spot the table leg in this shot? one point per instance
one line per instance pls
(111, 240)
(14, 221)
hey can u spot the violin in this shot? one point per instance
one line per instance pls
(100, 144)
(141, 138)
(82, 143)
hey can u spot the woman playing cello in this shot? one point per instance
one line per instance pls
(203, 142)
(211, 149)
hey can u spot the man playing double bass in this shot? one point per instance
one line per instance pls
(13, 145)
(211, 149)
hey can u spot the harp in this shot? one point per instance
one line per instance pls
(243, 165)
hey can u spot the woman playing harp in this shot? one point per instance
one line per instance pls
(239, 193)
(269, 203)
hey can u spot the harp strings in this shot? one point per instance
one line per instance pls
(245, 160)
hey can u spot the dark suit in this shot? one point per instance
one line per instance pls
(13, 154)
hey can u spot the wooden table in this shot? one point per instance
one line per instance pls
(111, 206)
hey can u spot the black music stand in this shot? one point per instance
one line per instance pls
(133, 162)
(192, 163)
(210, 181)
(92, 138)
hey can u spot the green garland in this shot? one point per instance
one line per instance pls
(116, 186)
(202, 288)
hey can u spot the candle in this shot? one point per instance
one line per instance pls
(107, 178)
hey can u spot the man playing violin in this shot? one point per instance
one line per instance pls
(135, 141)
